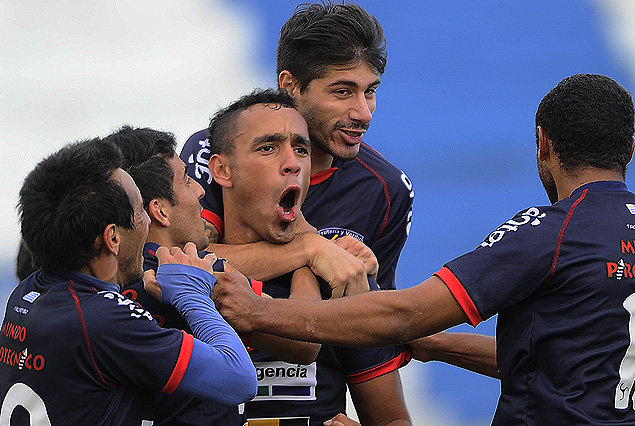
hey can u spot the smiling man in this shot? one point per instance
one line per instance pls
(330, 58)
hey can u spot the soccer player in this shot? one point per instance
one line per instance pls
(73, 350)
(171, 199)
(330, 58)
(560, 277)
(261, 158)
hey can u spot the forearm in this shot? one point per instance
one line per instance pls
(219, 359)
(264, 260)
(473, 352)
(398, 316)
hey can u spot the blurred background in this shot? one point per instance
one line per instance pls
(455, 110)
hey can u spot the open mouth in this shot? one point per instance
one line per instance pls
(289, 198)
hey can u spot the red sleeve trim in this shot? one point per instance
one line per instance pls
(256, 286)
(461, 296)
(397, 362)
(187, 344)
(214, 219)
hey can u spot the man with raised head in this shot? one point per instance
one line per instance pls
(261, 159)
(330, 58)
(171, 199)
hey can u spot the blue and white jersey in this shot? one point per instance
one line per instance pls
(562, 280)
(73, 351)
(333, 200)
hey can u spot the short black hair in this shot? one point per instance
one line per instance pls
(145, 157)
(67, 201)
(222, 125)
(589, 118)
(322, 34)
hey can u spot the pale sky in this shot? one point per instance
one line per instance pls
(72, 70)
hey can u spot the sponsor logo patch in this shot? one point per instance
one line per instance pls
(278, 380)
(335, 233)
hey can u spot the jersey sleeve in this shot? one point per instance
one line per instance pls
(363, 364)
(508, 266)
(130, 348)
(196, 154)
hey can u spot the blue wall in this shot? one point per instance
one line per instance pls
(455, 112)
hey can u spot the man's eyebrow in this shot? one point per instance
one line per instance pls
(269, 137)
(184, 171)
(352, 83)
(298, 138)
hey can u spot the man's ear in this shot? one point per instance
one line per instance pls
(111, 239)
(545, 147)
(159, 211)
(288, 82)
(221, 171)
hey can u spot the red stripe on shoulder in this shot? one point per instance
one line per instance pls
(322, 176)
(386, 195)
(82, 324)
(556, 253)
(461, 296)
(182, 362)
(214, 219)
(397, 362)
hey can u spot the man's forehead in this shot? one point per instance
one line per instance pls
(128, 184)
(269, 115)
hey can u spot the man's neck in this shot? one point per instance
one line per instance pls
(320, 161)
(569, 183)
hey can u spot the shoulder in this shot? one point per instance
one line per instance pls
(394, 179)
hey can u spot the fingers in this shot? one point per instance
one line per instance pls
(151, 285)
(187, 256)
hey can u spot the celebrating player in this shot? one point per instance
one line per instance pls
(171, 199)
(560, 277)
(330, 58)
(260, 156)
(73, 349)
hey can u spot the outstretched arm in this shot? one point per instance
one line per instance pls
(473, 352)
(304, 285)
(399, 316)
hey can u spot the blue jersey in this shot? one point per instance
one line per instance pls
(562, 280)
(308, 395)
(176, 409)
(331, 204)
(74, 351)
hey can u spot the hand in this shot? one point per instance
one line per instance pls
(341, 420)
(174, 255)
(423, 349)
(187, 256)
(362, 252)
(343, 271)
(235, 300)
